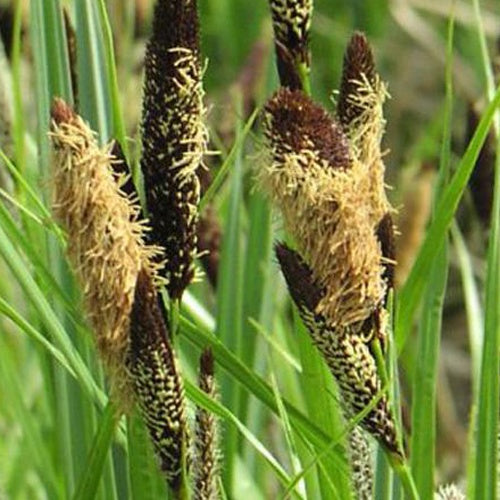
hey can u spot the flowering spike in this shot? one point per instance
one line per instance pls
(291, 24)
(173, 136)
(345, 350)
(106, 240)
(450, 492)
(359, 66)
(157, 383)
(360, 458)
(207, 453)
(331, 201)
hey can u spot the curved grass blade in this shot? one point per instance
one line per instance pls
(410, 296)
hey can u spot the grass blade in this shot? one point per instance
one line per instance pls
(89, 482)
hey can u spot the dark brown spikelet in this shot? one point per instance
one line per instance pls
(482, 178)
(345, 350)
(291, 23)
(173, 137)
(206, 445)
(359, 65)
(157, 383)
(294, 123)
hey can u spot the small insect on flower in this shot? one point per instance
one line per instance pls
(173, 136)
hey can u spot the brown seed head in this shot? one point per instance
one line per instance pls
(158, 386)
(105, 238)
(360, 458)
(385, 235)
(173, 137)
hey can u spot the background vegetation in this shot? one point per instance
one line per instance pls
(281, 426)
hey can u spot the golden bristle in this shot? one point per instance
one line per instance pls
(105, 239)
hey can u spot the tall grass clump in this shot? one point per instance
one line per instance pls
(225, 279)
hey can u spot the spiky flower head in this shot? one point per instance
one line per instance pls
(207, 455)
(173, 136)
(358, 73)
(291, 24)
(345, 350)
(157, 384)
(106, 239)
(332, 204)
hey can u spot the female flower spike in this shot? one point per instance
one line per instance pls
(157, 383)
(345, 350)
(106, 240)
(291, 24)
(173, 136)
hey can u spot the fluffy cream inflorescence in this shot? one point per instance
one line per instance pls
(329, 187)
(106, 241)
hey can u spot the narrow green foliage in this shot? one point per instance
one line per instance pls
(88, 483)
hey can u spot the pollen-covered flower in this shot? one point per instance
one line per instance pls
(207, 455)
(157, 383)
(106, 240)
(328, 204)
(345, 350)
(173, 136)
(291, 24)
